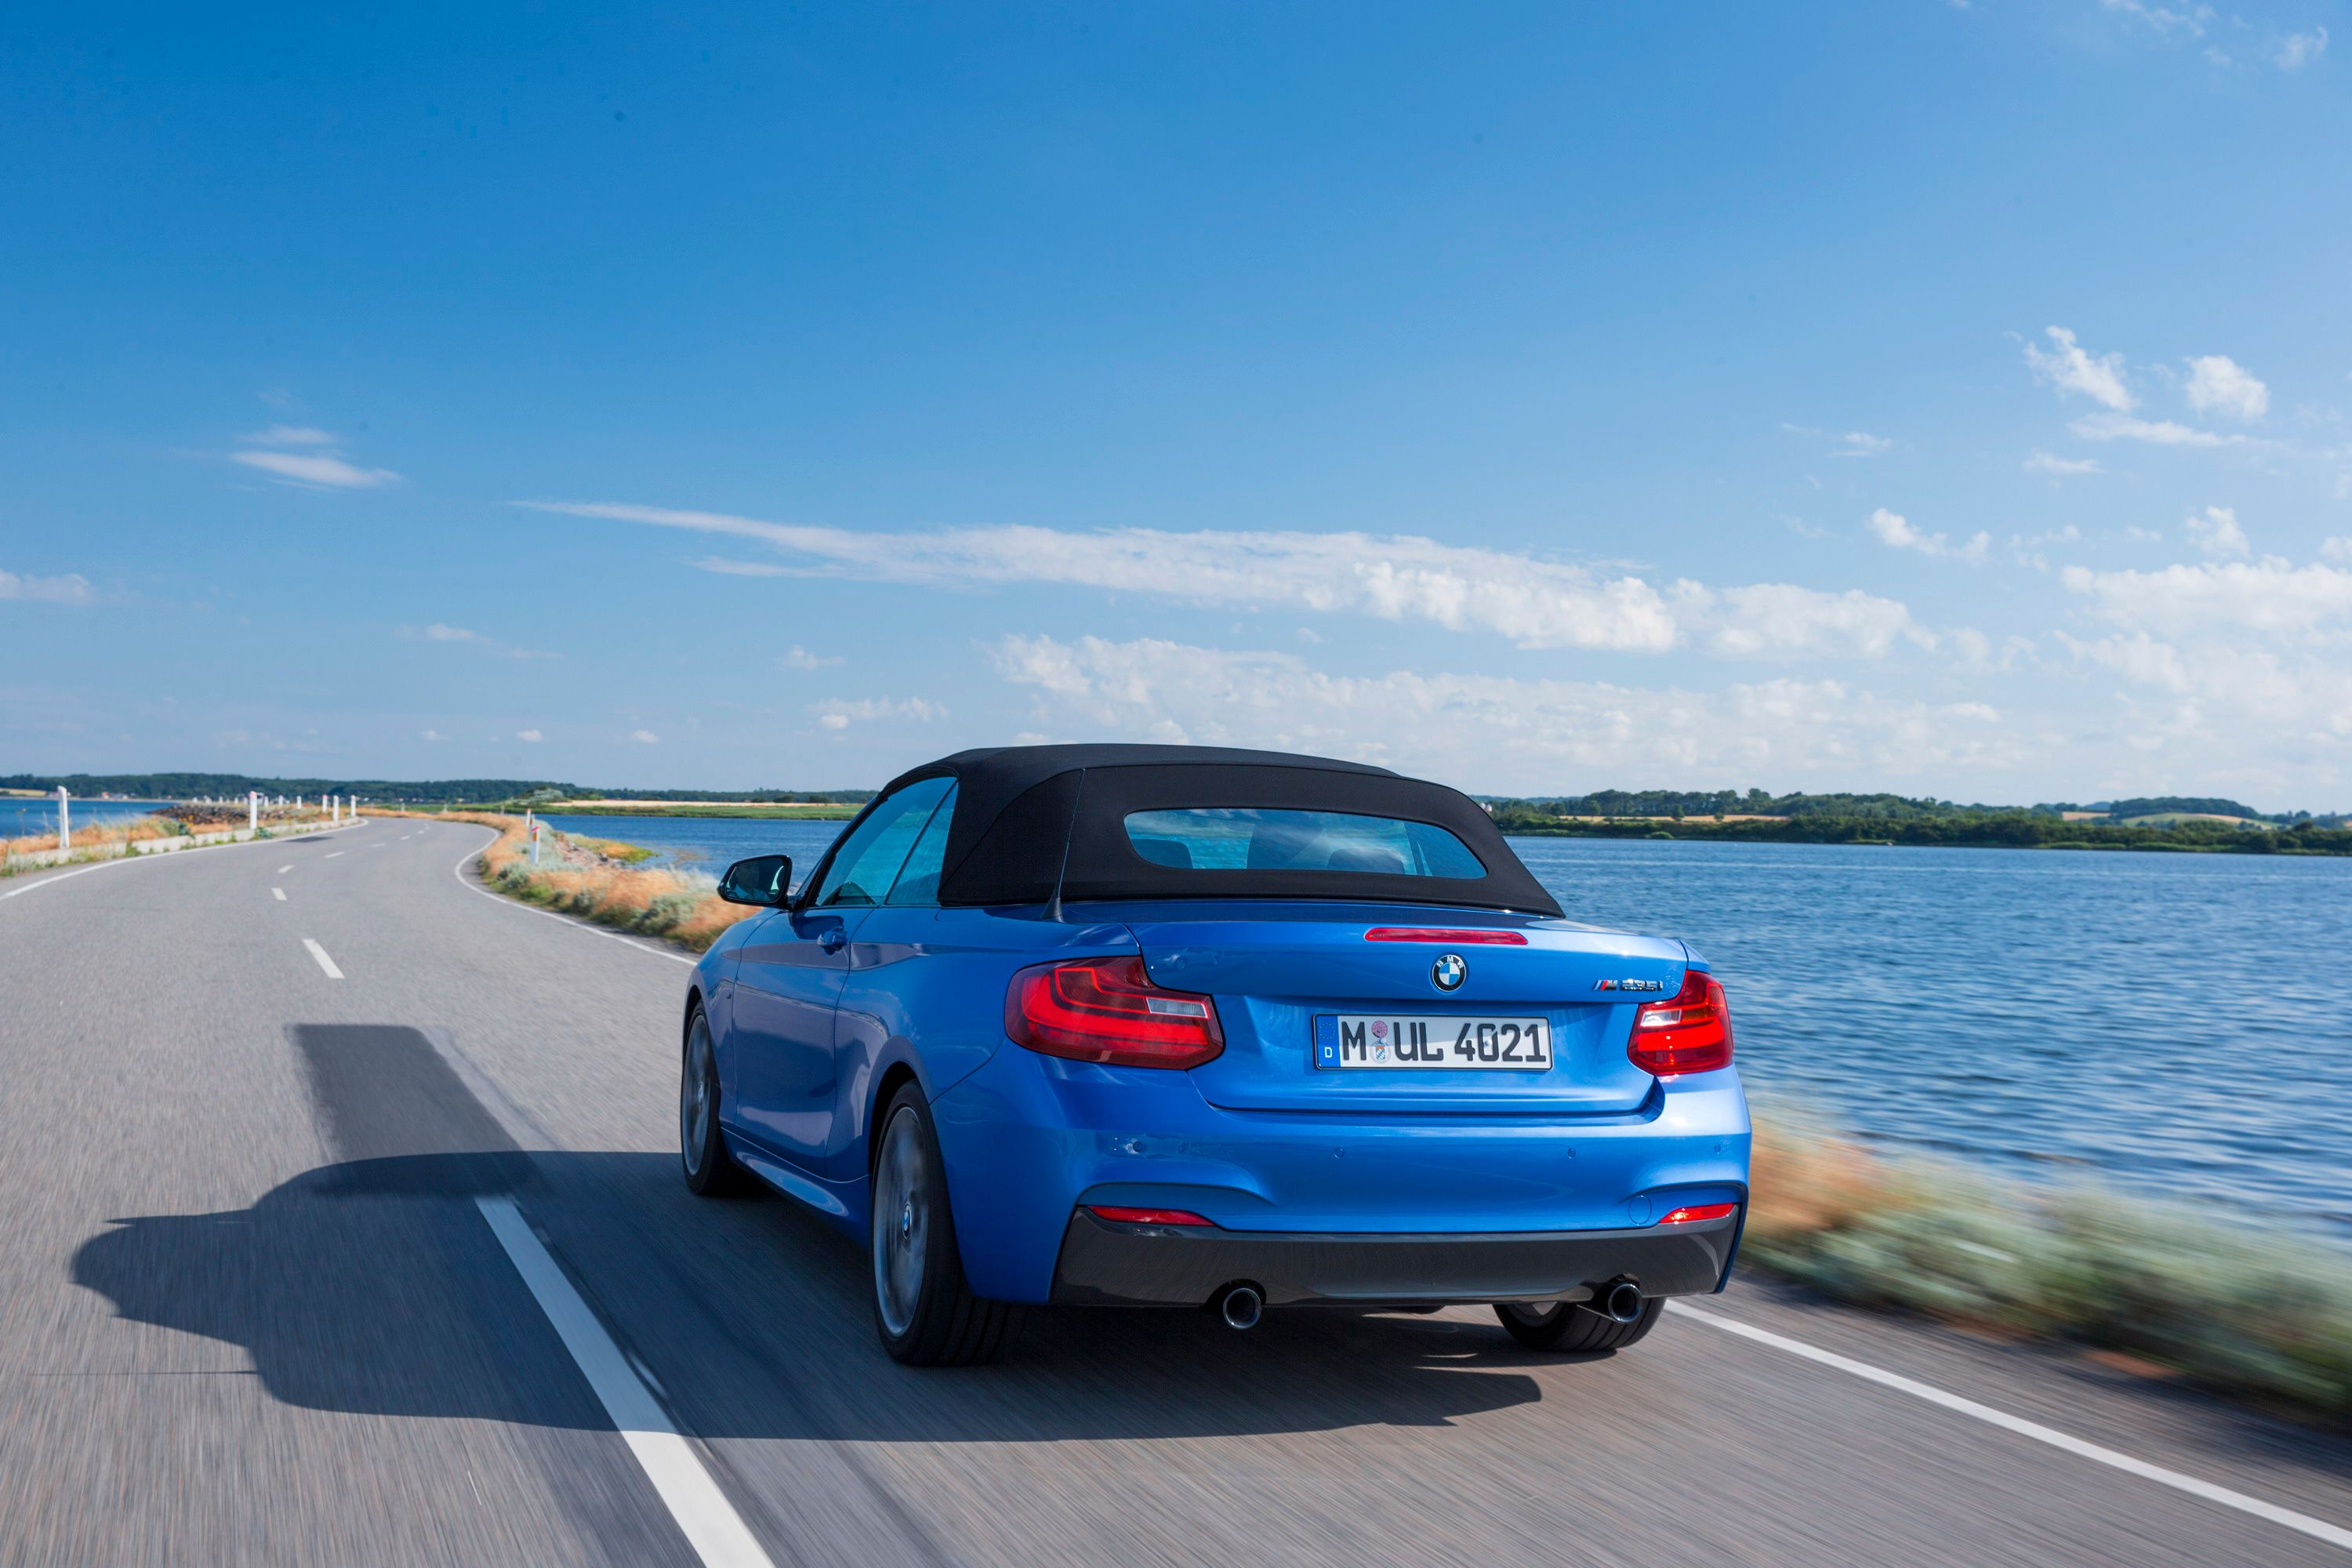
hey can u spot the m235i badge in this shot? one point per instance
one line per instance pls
(1629, 985)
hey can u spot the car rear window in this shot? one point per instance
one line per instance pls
(1266, 838)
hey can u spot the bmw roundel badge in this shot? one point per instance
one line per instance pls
(1449, 971)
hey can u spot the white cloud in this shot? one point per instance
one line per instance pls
(291, 435)
(439, 632)
(1894, 530)
(2220, 385)
(1535, 602)
(839, 715)
(2215, 532)
(1494, 731)
(643, 738)
(726, 567)
(1848, 443)
(2042, 462)
(432, 735)
(2028, 549)
(2157, 432)
(71, 589)
(2299, 50)
(531, 737)
(2267, 596)
(799, 658)
(2070, 368)
(316, 471)
(2167, 21)
(2337, 549)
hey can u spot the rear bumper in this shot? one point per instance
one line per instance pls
(1108, 1264)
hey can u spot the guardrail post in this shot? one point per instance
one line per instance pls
(65, 819)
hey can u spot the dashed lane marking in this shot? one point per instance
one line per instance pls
(279, 894)
(324, 961)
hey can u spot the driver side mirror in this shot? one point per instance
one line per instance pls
(765, 881)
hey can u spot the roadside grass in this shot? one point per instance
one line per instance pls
(118, 830)
(601, 881)
(2255, 1313)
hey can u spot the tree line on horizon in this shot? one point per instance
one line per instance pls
(1800, 805)
(389, 791)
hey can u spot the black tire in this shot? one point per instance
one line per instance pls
(1571, 1330)
(923, 1310)
(709, 1169)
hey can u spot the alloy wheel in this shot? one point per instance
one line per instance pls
(902, 1193)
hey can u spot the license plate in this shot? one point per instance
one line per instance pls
(1388, 1040)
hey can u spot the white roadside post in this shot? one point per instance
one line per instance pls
(534, 846)
(65, 820)
(253, 811)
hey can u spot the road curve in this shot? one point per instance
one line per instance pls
(276, 1168)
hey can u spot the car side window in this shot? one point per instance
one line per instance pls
(919, 881)
(868, 860)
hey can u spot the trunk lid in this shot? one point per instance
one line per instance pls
(1274, 969)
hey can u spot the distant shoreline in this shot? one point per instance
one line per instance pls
(1934, 834)
(796, 811)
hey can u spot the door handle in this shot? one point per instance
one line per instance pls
(834, 940)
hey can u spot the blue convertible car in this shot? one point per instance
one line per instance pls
(1179, 1026)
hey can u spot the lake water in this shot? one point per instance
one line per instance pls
(2175, 1025)
(20, 818)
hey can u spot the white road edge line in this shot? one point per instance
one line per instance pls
(279, 894)
(458, 870)
(2318, 1530)
(712, 1527)
(121, 860)
(324, 961)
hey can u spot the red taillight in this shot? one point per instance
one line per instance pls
(1107, 1010)
(1689, 1033)
(1694, 1212)
(1472, 938)
(1144, 1217)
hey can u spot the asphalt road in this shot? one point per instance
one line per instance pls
(253, 1309)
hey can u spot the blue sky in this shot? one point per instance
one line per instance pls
(1949, 399)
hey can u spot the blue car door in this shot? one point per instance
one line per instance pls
(789, 974)
(914, 971)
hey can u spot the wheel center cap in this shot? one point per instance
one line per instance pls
(907, 1220)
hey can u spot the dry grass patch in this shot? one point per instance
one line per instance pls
(599, 880)
(2255, 1313)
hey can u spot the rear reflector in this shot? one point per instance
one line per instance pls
(1144, 1217)
(1108, 1010)
(1472, 938)
(1694, 1212)
(1691, 1032)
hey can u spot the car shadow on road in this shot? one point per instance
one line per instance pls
(374, 1285)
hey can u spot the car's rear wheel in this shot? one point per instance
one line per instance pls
(1563, 1326)
(710, 1171)
(923, 1310)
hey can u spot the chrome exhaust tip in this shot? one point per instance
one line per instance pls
(1619, 1302)
(1240, 1307)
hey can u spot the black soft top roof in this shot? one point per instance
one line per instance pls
(1032, 822)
